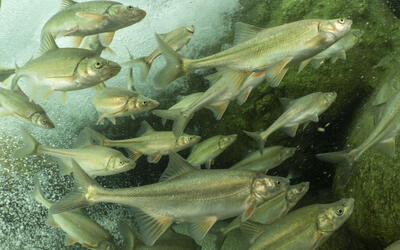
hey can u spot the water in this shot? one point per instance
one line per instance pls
(344, 125)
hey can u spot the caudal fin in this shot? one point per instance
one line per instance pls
(83, 195)
(345, 159)
(257, 137)
(30, 145)
(142, 65)
(6, 73)
(180, 118)
(173, 68)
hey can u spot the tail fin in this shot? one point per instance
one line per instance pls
(174, 67)
(345, 159)
(257, 137)
(31, 146)
(142, 64)
(6, 73)
(37, 194)
(180, 118)
(83, 194)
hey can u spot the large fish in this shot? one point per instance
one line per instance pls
(78, 227)
(64, 69)
(89, 18)
(16, 103)
(268, 159)
(206, 151)
(306, 228)
(95, 160)
(168, 241)
(176, 39)
(298, 111)
(152, 143)
(381, 138)
(184, 194)
(271, 210)
(272, 50)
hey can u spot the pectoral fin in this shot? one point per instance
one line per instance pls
(209, 162)
(68, 31)
(387, 147)
(249, 211)
(291, 131)
(154, 158)
(112, 120)
(314, 118)
(219, 109)
(252, 230)
(134, 155)
(106, 38)
(91, 16)
(275, 73)
(200, 229)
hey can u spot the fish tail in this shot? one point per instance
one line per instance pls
(345, 159)
(257, 137)
(174, 68)
(181, 119)
(6, 73)
(142, 64)
(31, 145)
(37, 194)
(83, 194)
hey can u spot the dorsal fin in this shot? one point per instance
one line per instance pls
(177, 166)
(244, 32)
(286, 102)
(67, 3)
(145, 128)
(47, 44)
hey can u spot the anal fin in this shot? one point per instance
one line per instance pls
(387, 147)
(218, 109)
(242, 97)
(200, 229)
(303, 64)
(69, 240)
(291, 131)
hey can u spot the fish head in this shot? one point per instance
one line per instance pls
(106, 245)
(296, 192)
(336, 28)
(126, 14)
(97, 69)
(265, 187)
(142, 103)
(42, 120)
(325, 100)
(226, 141)
(332, 216)
(187, 140)
(120, 162)
(286, 153)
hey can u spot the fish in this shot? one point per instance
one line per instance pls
(206, 151)
(391, 85)
(90, 18)
(78, 227)
(337, 50)
(216, 98)
(176, 39)
(306, 228)
(152, 143)
(94, 43)
(64, 69)
(298, 111)
(112, 102)
(381, 138)
(184, 194)
(17, 104)
(170, 240)
(262, 162)
(271, 210)
(256, 49)
(394, 246)
(95, 160)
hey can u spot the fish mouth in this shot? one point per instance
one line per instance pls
(139, 14)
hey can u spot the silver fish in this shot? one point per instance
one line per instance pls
(78, 227)
(96, 160)
(184, 194)
(389, 88)
(306, 228)
(268, 159)
(206, 151)
(16, 103)
(272, 50)
(382, 138)
(298, 111)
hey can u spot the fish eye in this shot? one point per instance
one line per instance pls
(339, 212)
(130, 7)
(278, 182)
(341, 21)
(98, 65)
(144, 103)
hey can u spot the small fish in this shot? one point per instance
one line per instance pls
(118, 102)
(394, 246)
(16, 103)
(206, 151)
(152, 143)
(94, 43)
(271, 210)
(306, 228)
(64, 69)
(381, 138)
(78, 227)
(96, 160)
(184, 194)
(89, 18)
(168, 241)
(335, 51)
(176, 39)
(216, 98)
(256, 49)
(269, 158)
(298, 111)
